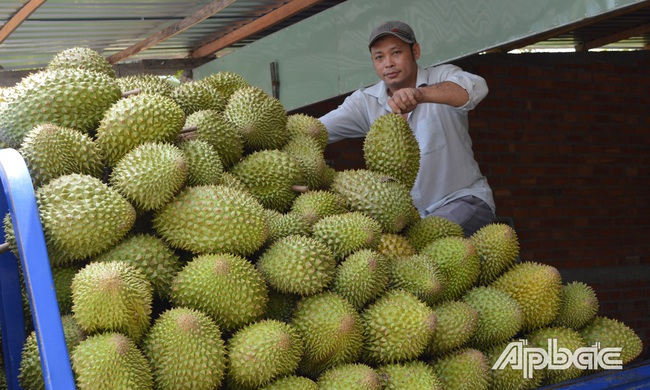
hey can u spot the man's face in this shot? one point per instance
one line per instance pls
(394, 62)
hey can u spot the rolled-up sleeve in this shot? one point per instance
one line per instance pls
(475, 85)
(349, 120)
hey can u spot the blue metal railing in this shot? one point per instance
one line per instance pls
(20, 202)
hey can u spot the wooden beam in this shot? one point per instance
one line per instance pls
(161, 36)
(631, 32)
(255, 26)
(19, 17)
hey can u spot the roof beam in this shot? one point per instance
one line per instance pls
(166, 33)
(19, 17)
(255, 26)
(595, 43)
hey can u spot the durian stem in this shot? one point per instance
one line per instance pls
(4, 247)
(300, 189)
(131, 92)
(188, 129)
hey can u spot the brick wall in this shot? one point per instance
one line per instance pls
(564, 140)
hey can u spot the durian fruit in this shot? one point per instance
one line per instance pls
(135, 120)
(430, 228)
(292, 382)
(308, 155)
(560, 338)
(466, 368)
(303, 124)
(498, 248)
(361, 277)
(409, 376)
(112, 297)
(269, 176)
(62, 277)
(397, 328)
(226, 287)
(499, 316)
(204, 165)
(110, 361)
(457, 322)
(211, 219)
(287, 224)
(195, 96)
(331, 331)
(314, 205)
(69, 98)
(51, 151)
(83, 58)
(506, 377)
(263, 351)
(213, 128)
(150, 174)
(394, 246)
(281, 306)
(226, 82)
(31, 373)
(386, 200)
(229, 180)
(419, 275)
(578, 305)
(356, 376)
(149, 254)
(537, 288)
(298, 264)
(185, 351)
(259, 117)
(457, 259)
(612, 333)
(390, 148)
(347, 233)
(146, 83)
(82, 216)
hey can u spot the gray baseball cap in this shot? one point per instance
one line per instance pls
(393, 27)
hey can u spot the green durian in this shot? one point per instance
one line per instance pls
(578, 305)
(498, 248)
(146, 83)
(361, 277)
(506, 377)
(287, 224)
(466, 368)
(612, 333)
(457, 322)
(430, 228)
(226, 82)
(81, 58)
(303, 124)
(394, 246)
(292, 382)
(347, 233)
(213, 128)
(306, 152)
(204, 166)
(499, 316)
(356, 376)
(409, 376)
(62, 277)
(561, 337)
(314, 205)
(194, 96)
(419, 275)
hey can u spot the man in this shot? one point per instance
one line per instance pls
(435, 101)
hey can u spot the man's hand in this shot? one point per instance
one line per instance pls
(405, 100)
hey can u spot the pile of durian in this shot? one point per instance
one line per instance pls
(199, 240)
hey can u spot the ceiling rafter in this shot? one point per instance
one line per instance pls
(19, 17)
(168, 32)
(596, 43)
(253, 27)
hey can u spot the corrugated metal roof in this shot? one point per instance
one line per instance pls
(113, 28)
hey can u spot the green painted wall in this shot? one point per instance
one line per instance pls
(327, 55)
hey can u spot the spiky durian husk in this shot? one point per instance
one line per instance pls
(150, 174)
(262, 352)
(281, 306)
(298, 264)
(578, 305)
(361, 277)
(509, 378)
(185, 350)
(419, 275)
(146, 83)
(457, 322)
(51, 151)
(537, 288)
(499, 316)
(394, 246)
(196, 96)
(408, 376)
(390, 148)
(309, 157)
(331, 331)
(347, 233)
(226, 287)
(110, 361)
(466, 368)
(136, 120)
(356, 376)
(112, 297)
(212, 219)
(566, 338)
(612, 333)
(62, 277)
(204, 165)
(498, 248)
(430, 228)
(458, 261)
(82, 216)
(213, 128)
(387, 201)
(397, 328)
(149, 254)
(303, 124)
(226, 82)
(81, 58)
(283, 225)
(76, 99)
(314, 205)
(269, 176)
(292, 382)
(259, 117)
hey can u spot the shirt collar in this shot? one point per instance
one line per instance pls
(380, 91)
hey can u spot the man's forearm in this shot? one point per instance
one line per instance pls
(446, 92)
